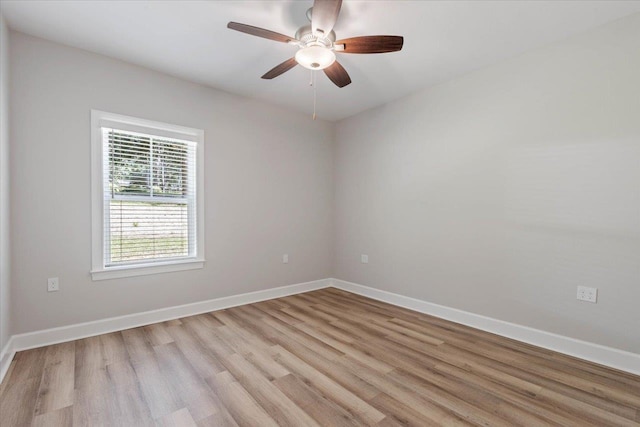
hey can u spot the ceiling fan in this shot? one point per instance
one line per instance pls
(317, 43)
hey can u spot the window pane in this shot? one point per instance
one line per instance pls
(144, 231)
(169, 168)
(129, 163)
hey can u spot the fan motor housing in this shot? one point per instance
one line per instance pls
(305, 35)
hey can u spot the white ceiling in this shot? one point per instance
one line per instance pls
(189, 39)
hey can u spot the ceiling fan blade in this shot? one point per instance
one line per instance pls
(324, 15)
(337, 74)
(280, 69)
(260, 32)
(371, 44)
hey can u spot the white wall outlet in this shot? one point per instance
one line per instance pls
(285, 259)
(53, 284)
(587, 294)
(364, 259)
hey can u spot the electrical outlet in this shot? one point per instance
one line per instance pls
(364, 259)
(285, 259)
(53, 284)
(587, 294)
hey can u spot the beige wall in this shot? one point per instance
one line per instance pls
(5, 254)
(502, 191)
(268, 187)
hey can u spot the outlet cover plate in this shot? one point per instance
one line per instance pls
(52, 284)
(587, 294)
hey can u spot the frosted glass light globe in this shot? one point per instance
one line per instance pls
(315, 57)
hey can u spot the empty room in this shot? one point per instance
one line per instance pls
(319, 213)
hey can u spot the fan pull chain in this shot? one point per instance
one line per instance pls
(312, 83)
(314, 95)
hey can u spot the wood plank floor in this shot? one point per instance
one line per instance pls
(326, 358)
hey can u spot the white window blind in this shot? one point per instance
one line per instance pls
(149, 189)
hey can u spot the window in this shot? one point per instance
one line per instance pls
(146, 196)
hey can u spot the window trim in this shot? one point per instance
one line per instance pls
(98, 270)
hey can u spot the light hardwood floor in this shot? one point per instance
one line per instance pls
(322, 358)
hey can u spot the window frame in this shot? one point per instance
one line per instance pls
(99, 271)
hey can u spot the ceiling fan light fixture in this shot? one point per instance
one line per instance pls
(315, 57)
(318, 45)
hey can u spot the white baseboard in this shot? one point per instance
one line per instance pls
(88, 329)
(619, 359)
(6, 356)
(608, 356)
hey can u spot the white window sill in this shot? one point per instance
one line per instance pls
(144, 269)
